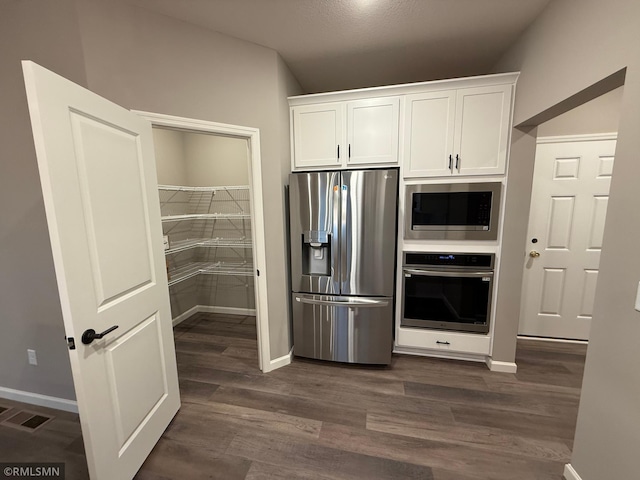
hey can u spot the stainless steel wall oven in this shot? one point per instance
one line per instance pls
(447, 291)
(453, 211)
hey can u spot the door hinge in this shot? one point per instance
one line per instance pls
(71, 343)
(257, 272)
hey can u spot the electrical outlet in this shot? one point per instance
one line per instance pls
(33, 359)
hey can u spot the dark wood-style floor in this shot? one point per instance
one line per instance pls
(420, 418)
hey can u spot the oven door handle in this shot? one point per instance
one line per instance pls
(440, 273)
(347, 303)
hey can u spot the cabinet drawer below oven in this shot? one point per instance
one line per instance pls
(444, 341)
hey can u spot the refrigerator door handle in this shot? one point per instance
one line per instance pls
(360, 303)
(337, 233)
(345, 240)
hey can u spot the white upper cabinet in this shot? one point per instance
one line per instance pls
(483, 120)
(428, 134)
(372, 131)
(338, 135)
(444, 128)
(317, 135)
(457, 132)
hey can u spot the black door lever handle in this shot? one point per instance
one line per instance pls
(90, 335)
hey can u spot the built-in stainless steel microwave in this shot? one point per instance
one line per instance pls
(453, 211)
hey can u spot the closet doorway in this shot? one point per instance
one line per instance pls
(209, 186)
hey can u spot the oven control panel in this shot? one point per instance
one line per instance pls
(456, 260)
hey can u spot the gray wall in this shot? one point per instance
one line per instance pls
(600, 115)
(214, 160)
(287, 86)
(169, 151)
(572, 46)
(30, 314)
(200, 160)
(516, 219)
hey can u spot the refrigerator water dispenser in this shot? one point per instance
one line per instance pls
(316, 253)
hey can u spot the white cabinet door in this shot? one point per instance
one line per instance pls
(463, 132)
(482, 130)
(318, 136)
(99, 185)
(428, 136)
(372, 131)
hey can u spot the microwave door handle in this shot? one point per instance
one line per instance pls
(439, 273)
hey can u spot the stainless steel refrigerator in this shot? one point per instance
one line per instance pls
(343, 249)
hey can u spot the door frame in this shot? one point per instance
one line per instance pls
(252, 135)
(590, 137)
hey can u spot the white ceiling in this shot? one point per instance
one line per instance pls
(341, 44)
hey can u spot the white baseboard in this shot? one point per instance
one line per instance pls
(279, 362)
(182, 317)
(212, 309)
(503, 367)
(227, 310)
(38, 399)
(570, 473)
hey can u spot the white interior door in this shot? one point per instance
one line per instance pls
(566, 223)
(98, 177)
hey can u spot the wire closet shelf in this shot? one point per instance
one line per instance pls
(215, 219)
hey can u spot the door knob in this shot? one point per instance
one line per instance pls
(90, 335)
(534, 254)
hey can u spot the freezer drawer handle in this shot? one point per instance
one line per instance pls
(350, 304)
